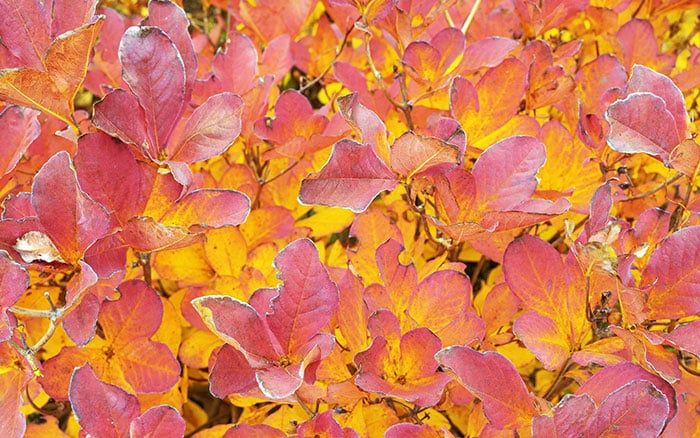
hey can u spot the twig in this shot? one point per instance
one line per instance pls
(470, 17)
(338, 51)
(553, 388)
(675, 178)
(303, 405)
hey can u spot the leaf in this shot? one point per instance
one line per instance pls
(126, 357)
(636, 409)
(675, 290)
(495, 381)
(109, 173)
(71, 219)
(230, 373)
(20, 127)
(536, 274)
(14, 280)
(414, 155)
(543, 338)
(154, 70)
(210, 208)
(159, 421)
(101, 409)
(505, 173)
(486, 52)
(570, 417)
(611, 378)
(25, 31)
(278, 330)
(210, 130)
(403, 367)
(306, 301)
(53, 88)
(351, 178)
(642, 123)
(120, 115)
(499, 93)
(145, 234)
(172, 19)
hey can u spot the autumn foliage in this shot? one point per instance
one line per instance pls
(350, 218)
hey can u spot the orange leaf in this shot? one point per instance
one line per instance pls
(52, 90)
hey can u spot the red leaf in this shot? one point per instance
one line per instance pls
(324, 425)
(636, 409)
(102, 409)
(673, 270)
(401, 430)
(495, 380)
(256, 431)
(210, 130)
(352, 178)
(240, 325)
(159, 421)
(414, 155)
(155, 72)
(66, 16)
(486, 52)
(71, 219)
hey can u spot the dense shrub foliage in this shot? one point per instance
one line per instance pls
(347, 218)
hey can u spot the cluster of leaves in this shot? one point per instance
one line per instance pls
(350, 218)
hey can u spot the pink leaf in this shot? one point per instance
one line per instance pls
(24, 30)
(210, 130)
(413, 155)
(145, 234)
(505, 172)
(673, 271)
(71, 219)
(154, 70)
(14, 280)
(240, 325)
(308, 298)
(171, 19)
(120, 115)
(110, 174)
(19, 127)
(230, 373)
(642, 123)
(495, 380)
(159, 421)
(636, 409)
(351, 178)
(102, 409)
